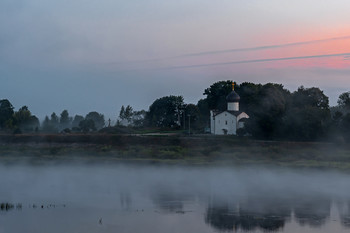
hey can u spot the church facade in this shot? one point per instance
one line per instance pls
(227, 122)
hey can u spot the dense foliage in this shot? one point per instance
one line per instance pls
(166, 112)
(275, 114)
(17, 121)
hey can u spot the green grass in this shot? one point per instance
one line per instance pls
(196, 150)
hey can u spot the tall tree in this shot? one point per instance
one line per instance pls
(6, 113)
(216, 95)
(25, 121)
(122, 112)
(250, 94)
(266, 109)
(47, 126)
(128, 113)
(192, 113)
(138, 118)
(308, 117)
(77, 119)
(99, 119)
(87, 125)
(344, 101)
(65, 120)
(54, 120)
(203, 118)
(344, 128)
(313, 97)
(166, 112)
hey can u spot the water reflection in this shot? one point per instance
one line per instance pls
(249, 215)
(5, 206)
(169, 200)
(268, 214)
(344, 209)
(125, 200)
(313, 212)
(153, 199)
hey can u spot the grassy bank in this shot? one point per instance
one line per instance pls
(200, 150)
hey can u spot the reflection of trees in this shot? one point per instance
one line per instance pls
(247, 216)
(171, 201)
(125, 200)
(221, 218)
(344, 209)
(312, 212)
(269, 214)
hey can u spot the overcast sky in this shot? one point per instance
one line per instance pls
(86, 55)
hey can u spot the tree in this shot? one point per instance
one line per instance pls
(87, 125)
(128, 113)
(122, 112)
(250, 94)
(98, 119)
(47, 126)
(344, 101)
(266, 110)
(46, 122)
(345, 127)
(77, 119)
(166, 112)
(22, 116)
(203, 118)
(65, 120)
(51, 125)
(6, 113)
(54, 120)
(308, 117)
(125, 115)
(192, 113)
(313, 97)
(138, 118)
(25, 121)
(265, 104)
(216, 95)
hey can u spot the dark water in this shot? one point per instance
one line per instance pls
(119, 198)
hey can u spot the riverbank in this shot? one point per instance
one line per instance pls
(171, 149)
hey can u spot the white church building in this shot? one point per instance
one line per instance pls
(227, 122)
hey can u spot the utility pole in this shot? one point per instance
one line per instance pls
(189, 124)
(184, 111)
(184, 120)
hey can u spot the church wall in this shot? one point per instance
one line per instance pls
(212, 128)
(225, 121)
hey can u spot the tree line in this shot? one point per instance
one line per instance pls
(275, 114)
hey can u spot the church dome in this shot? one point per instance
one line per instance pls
(233, 97)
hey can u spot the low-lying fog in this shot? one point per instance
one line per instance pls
(135, 198)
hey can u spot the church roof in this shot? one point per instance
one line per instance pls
(233, 97)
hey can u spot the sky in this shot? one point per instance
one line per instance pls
(97, 55)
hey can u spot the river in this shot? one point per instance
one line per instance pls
(154, 198)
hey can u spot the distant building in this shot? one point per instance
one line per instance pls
(227, 122)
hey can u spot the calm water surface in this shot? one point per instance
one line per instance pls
(124, 198)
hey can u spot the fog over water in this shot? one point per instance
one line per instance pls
(150, 198)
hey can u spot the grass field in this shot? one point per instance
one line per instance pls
(197, 150)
